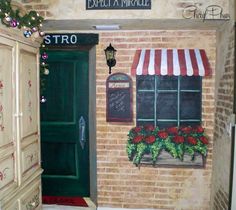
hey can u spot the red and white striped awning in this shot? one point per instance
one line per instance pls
(190, 62)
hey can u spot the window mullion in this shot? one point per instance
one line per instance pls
(155, 102)
(178, 102)
(201, 100)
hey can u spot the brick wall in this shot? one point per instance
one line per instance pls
(224, 109)
(120, 183)
(41, 6)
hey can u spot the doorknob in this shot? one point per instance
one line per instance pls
(82, 132)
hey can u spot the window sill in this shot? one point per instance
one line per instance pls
(166, 160)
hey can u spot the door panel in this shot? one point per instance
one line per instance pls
(63, 82)
(63, 166)
(65, 162)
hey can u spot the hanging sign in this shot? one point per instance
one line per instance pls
(119, 98)
(118, 4)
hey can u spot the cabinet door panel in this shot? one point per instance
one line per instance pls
(6, 93)
(30, 158)
(7, 172)
(28, 91)
(8, 164)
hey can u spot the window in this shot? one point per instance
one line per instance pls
(167, 101)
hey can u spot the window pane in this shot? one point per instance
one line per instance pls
(190, 105)
(167, 124)
(145, 105)
(167, 83)
(166, 106)
(139, 123)
(189, 123)
(145, 82)
(190, 83)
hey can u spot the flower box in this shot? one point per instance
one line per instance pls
(175, 146)
(166, 160)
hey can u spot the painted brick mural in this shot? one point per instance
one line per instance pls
(122, 184)
(222, 140)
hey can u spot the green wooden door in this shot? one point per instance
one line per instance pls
(64, 125)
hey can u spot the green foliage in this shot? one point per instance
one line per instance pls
(30, 21)
(171, 148)
(139, 153)
(155, 150)
(130, 149)
(201, 148)
(189, 150)
(43, 68)
(180, 151)
(176, 141)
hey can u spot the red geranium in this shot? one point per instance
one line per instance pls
(199, 129)
(149, 127)
(137, 129)
(137, 139)
(172, 130)
(186, 130)
(191, 140)
(162, 134)
(204, 140)
(178, 139)
(150, 139)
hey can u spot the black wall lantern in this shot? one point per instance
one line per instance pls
(110, 53)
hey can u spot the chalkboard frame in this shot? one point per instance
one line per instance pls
(111, 79)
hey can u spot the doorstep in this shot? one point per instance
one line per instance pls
(91, 206)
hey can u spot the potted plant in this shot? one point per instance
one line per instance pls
(177, 141)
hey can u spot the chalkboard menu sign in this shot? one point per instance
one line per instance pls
(119, 98)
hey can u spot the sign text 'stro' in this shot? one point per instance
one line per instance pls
(70, 39)
(117, 4)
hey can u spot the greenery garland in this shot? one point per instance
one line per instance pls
(44, 71)
(31, 22)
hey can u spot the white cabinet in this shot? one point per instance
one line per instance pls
(20, 169)
(8, 163)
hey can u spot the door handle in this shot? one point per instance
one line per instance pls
(82, 132)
